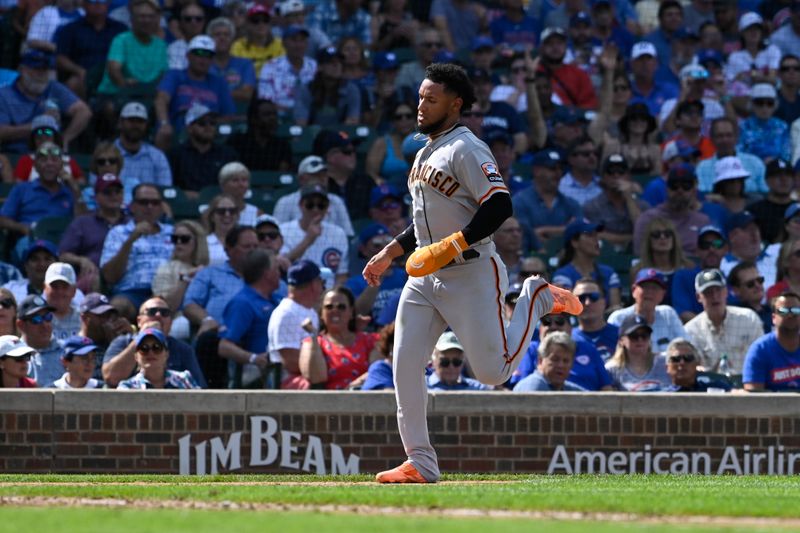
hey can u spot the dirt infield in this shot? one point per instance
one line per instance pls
(714, 521)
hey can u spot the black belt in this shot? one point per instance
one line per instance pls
(468, 255)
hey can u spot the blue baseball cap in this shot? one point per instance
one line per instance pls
(482, 42)
(709, 55)
(413, 143)
(371, 231)
(650, 274)
(444, 56)
(494, 135)
(739, 220)
(78, 345)
(791, 211)
(36, 58)
(578, 226)
(682, 172)
(385, 61)
(40, 244)
(302, 272)
(546, 158)
(568, 115)
(151, 332)
(294, 29)
(710, 229)
(581, 17)
(380, 192)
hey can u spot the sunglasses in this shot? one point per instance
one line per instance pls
(616, 171)
(347, 151)
(195, 18)
(763, 102)
(40, 319)
(639, 336)
(44, 131)
(660, 234)
(112, 191)
(204, 123)
(166, 312)
(401, 116)
(590, 296)
(180, 239)
(621, 88)
(147, 348)
(686, 358)
(583, 153)
(259, 20)
(716, 244)
(433, 44)
(445, 363)
(338, 307)
(784, 311)
(146, 202)
(7, 303)
(550, 320)
(23, 358)
(517, 70)
(528, 273)
(472, 114)
(753, 282)
(681, 185)
(49, 152)
(388, 205)
(316, 205)
(203, 53)
(225, 211)
(793, 68)
(271, 235)
(103, 161)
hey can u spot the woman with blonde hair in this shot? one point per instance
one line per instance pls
(189, 256)
(788, 277)
(661, 249)
(634, 367)
(221, 216)
(234, 180)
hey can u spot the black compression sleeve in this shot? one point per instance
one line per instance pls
(490, 215)
(407, 239)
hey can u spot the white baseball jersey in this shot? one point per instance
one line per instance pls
(329, 250)
(451, 177)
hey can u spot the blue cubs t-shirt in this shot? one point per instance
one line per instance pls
(604, 340)
(568, 275)
(769, 363)
(588, 369)
(212, 92)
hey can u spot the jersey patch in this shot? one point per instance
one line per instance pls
(331, 258)
(491, 172)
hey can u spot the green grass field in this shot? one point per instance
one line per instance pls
(352, 503)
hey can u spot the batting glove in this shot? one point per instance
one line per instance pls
(431, 258)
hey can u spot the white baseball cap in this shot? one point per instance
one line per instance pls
(311, 165)
(749, 19)
(59, 272)
(448, 341)
(290, 7)
(553, 30)
(644, 48)
(763, 90)
(202, 42)
(13, 346)
(729, 168)
(196, 112)
(694, 71)
(134, 110)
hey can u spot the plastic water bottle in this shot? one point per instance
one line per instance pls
(724, 367)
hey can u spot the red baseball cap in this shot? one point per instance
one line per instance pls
(105, 181)
(258, 9)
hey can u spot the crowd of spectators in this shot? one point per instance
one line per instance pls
(191, 189)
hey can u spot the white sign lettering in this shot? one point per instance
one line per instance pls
(264, 433)
(776, 461)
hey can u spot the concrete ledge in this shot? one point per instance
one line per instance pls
(383, 402)
(26, 401)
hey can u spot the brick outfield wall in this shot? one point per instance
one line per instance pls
(138, 432)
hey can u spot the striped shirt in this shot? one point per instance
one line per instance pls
(172, 380)
(147, 254)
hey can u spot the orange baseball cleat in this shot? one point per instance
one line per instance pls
(405, 473)
(564, 301)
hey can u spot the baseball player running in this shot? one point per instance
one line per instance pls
(456, 278)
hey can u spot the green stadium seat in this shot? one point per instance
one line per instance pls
(300, 137)
(83, 161)
(51, 228)
(208, 193)
(182, 206)
(272, 179)
(645, 180)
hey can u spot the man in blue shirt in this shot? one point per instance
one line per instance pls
(180, 89)
(644, 64)
(243, 341)
(132, 252)
(670, 20)
(542, 210)
(448, 362)
(82, 46)
(49, 196)
(592, 326)
(213, 287)
(556, 356)
(773, 361)
(33, 94)
(711, 248)
(143, 162)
